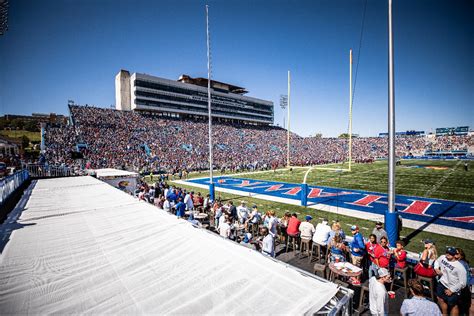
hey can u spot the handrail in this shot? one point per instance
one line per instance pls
(11, 183)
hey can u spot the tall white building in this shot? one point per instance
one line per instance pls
(187, 98)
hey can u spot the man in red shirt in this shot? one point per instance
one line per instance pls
(293, 225)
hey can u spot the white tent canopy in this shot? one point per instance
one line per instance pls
(81, 246)
(111, 173)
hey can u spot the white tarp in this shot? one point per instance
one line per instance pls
(81, 246)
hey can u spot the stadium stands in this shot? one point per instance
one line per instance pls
(116, 139)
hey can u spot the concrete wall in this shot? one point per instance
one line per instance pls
(122, 91)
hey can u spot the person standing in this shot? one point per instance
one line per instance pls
(465, 299)
(453, 279)
(378, 297)
(357, 248)
(418, 305)
(180, 208)
(379, 232)
(268, 247)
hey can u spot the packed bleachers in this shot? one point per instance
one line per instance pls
(137, 141)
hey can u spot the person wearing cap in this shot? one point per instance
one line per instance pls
(357, 246)
(378, 297)
(418, 305)
(425, 266)
(379, 232)
(307, 228)
(452, 280)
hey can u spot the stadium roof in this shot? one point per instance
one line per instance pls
(80, 246)
(214, 84)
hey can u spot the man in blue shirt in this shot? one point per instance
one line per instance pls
(357, 249)
(180, 208)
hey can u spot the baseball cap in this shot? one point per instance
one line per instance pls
(354, 227)
(383, 272)
(254, 206)
(451, 251)
(308, 217)
(379, 223)
(428, 241)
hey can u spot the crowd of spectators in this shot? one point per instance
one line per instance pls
(379, 261)
(140, 142)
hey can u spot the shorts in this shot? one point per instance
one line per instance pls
(450, 300)
(356, 260)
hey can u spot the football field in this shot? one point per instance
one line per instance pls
(428, 181)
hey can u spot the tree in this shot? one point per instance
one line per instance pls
(25, 141)
(318, 135)
(31, 126)
(17, 123)
(344, 135)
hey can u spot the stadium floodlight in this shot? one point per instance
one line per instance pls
(283, 101)
(3, 16)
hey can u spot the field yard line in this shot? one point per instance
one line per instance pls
(367, 171)
(433, 228)
(443, 179)
(245, 173)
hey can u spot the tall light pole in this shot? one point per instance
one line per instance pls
(391, 216)
(350, 109)
(288, 124)
(211, 180)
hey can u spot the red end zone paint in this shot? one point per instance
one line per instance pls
(466, 219)
(293, 191)
(274, 187)
(367, 200)
(417, 207)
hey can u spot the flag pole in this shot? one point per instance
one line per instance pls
(211, 180)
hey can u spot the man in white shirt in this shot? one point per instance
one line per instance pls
(321, 233)
(242, 212)
(224, 227)
(272, 224)
(306, 228)
(188, 200)
(267, 243)
(378, 298)
(453, 279)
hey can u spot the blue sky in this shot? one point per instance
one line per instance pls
(60, 50)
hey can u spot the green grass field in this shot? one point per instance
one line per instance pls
(452, 183)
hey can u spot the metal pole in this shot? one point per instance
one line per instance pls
(211, 181)
(350, 109)
(391, 217)
(288, 136)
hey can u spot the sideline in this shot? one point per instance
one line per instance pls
(432, 228)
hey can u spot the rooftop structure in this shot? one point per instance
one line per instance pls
(188, 98)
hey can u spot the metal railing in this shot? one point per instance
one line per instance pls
(9, 184)
(48, 171)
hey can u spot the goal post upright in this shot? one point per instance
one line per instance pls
(350, 109)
